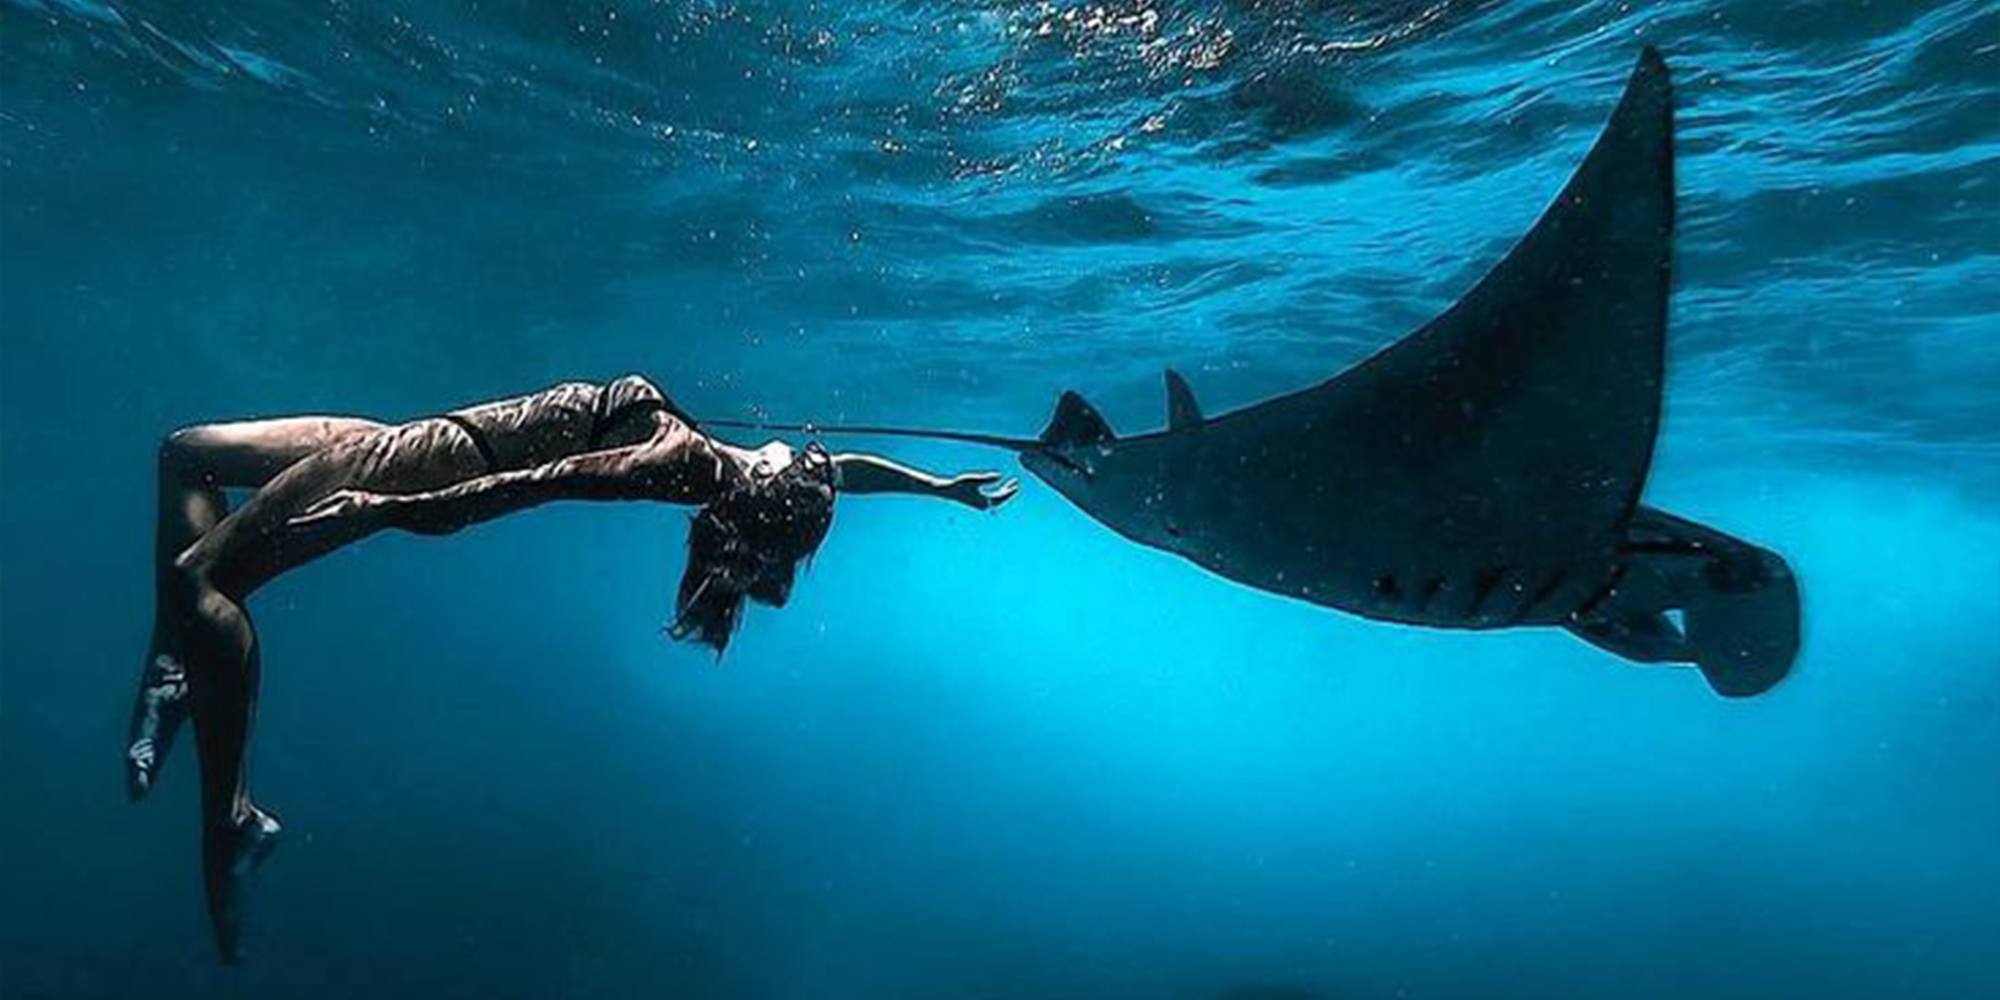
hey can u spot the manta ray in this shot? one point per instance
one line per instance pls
(1487, 470)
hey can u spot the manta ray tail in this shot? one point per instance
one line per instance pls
(1739, 605)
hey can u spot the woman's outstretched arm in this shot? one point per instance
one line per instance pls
(675, 469)
(859, 473)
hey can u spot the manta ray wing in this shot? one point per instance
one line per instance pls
(1525, 415)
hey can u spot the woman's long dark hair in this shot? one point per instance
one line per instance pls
(748, 542)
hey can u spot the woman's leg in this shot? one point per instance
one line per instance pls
(236, 835)
(208, 581)
(195, 465)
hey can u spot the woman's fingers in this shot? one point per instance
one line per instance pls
(320, 512)
(1002, 493)
(310, 518)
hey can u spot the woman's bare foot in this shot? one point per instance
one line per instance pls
(157, 713)
(231, 853)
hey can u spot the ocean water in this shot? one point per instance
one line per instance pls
(1006, 756)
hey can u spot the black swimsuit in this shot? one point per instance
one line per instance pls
(478, 438)
(605, 414)
(608, 414)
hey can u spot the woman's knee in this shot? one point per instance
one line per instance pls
(636, 383)
(637, 388)
(196, 608)
(180, 451)
(222, 620)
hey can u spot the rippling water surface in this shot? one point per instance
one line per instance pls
(1010, 756)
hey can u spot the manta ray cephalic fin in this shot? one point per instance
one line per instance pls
(1076, 422)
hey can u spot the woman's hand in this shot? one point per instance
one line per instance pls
(342, 506)
(981, 490)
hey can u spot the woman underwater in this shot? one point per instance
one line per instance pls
(325, 482)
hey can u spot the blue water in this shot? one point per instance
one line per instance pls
(1008, 756)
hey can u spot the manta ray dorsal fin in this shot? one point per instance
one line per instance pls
(1076, 422)
(1182, 410)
